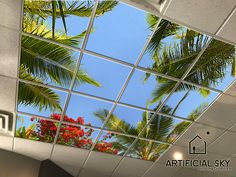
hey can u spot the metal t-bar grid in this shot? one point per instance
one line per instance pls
(117, 61)
(122, 91)
(161, 106)
(216, 33)
(18, 73)
(172, 91)
(135, 66)
(75, 73)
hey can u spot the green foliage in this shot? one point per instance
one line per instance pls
(37, 96)
(165, 29)
(43, 61)
(158, 129)
(175, 59)
(77, 8)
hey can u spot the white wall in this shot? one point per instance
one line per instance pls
(16, 165)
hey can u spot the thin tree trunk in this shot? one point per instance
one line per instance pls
(177, 106)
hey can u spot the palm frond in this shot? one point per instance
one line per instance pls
(115, 123)
(213, 64)
(165, 29)
(182, 126)
(36, 95)
(198, 111)
(49, 61)
(54, 7)
(77, 8)
(162, 90)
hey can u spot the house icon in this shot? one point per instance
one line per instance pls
(197, 146)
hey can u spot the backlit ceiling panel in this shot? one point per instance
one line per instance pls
(105, 76)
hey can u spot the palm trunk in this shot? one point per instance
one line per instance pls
(177, 106)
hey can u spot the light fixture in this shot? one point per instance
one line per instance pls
(178, 156)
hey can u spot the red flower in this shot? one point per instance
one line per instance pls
(80, 133)
(56, 116)
(32, 118)
(53, 128)
(80, 120)
(115, 151)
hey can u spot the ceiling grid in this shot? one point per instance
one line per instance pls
(117, 101)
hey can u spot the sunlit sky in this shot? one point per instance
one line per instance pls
(120, 34)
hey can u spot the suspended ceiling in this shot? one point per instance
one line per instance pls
(213, 19)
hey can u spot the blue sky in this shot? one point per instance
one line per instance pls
(121, 34)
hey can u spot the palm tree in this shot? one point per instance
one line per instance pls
(62, 9)
(175, 59)
(167, 131)
(43, 61)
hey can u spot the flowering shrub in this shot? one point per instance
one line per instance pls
(104, 146)
(71, 135)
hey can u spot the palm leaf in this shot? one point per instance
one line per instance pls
(115, 123)
(212, 65)
(165, 29)
(54, 6)
(49, 61)
(77, 8)
(62, 14)
(36, 95)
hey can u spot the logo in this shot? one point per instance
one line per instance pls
(197, 145)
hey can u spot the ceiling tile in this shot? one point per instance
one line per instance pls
(90, 173)
(148, 5)
(232, 170)
(9, 11)
(33, 149)
(9, 47)
(161, 170)
(199, 13)
(207, 133)
(69, 158)
(169, 155)
(6, 142)
(228, 31)
(232, 90)
(220, 113)
(225, 145)
(233, 128)
(101, 164)
(216, 172)
(211, 156)
(185, 172)
(7, 93)
(132, 167)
